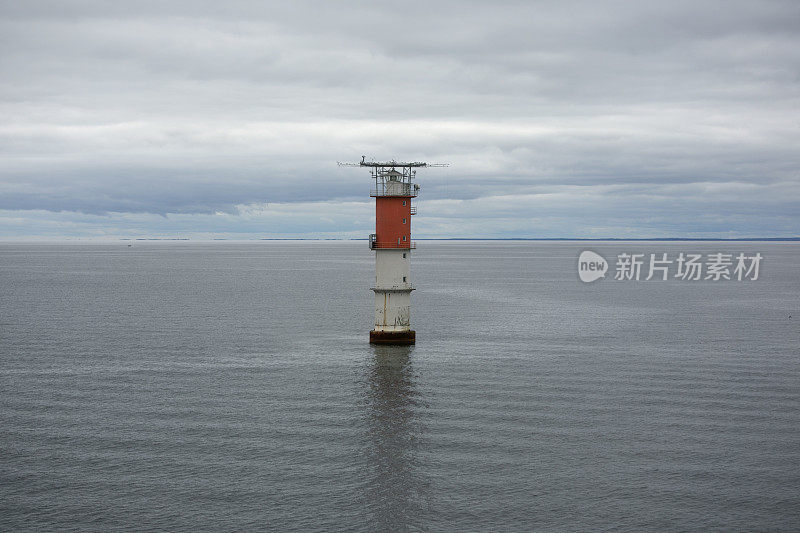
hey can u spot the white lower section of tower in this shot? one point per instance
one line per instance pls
(392, 290)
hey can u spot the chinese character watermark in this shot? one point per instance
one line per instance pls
(661, 267)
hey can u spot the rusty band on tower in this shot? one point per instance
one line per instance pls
(393, 191)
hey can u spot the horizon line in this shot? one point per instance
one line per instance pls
(254, 239)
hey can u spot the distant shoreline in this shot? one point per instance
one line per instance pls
(79, 240)
(771, 239)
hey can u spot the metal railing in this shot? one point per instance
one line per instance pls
(401, 287)
(375, 245)
(408, 245)
(396, 189)
(410, 193)
(413, 210)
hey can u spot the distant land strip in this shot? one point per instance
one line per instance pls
(788, 239)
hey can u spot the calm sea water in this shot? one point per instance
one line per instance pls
(231, 386)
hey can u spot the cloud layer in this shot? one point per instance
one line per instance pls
(590, 119)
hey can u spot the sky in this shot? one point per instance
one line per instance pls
(207, 119)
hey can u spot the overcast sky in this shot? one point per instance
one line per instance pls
(559, 119)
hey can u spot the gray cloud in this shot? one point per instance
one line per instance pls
(581, 111)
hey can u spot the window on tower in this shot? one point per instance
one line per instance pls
(404, 221)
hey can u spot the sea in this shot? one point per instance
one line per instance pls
(230, 386)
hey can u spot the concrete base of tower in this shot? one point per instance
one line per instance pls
(392, 337)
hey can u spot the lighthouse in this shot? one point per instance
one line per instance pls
(393, 190)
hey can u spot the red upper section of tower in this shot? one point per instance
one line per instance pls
(393, 222)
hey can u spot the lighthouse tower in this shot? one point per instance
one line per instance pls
(393, 191)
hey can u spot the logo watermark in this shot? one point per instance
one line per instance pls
(661, 267)
(591, 266)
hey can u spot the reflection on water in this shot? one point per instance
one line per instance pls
(396, 488)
